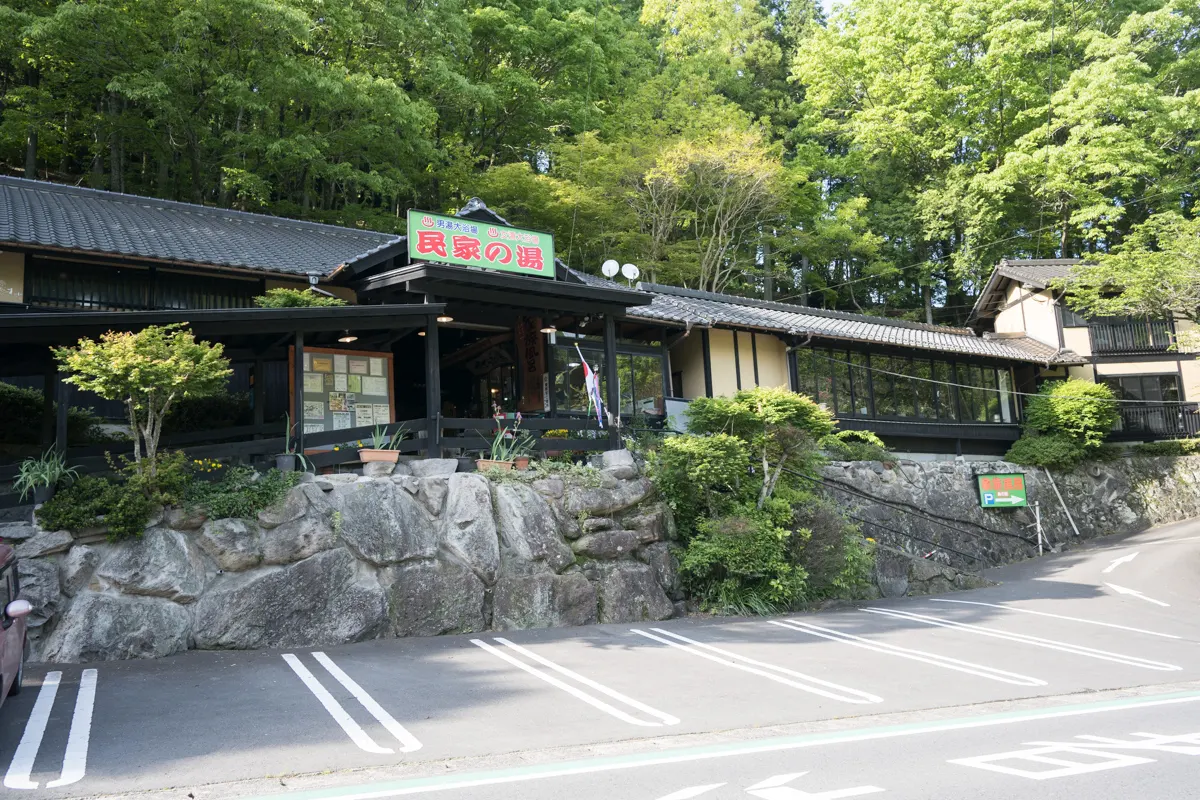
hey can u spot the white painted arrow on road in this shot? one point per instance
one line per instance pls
(1137, 594)
(776, 789)
(694, 791)
(1118, 562)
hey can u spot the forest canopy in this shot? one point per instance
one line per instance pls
(880, 157)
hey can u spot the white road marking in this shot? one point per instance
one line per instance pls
(1042, 755)
(776, 788)
(694, 791)
(1116, 562)
(352, 729)
(1137, 594)
(830, 690)
(916, 655)
(782, 745)
(571, 690)
(1056, 616)
(75, 760)
(1076, 649)
(21, 766)
(666, 719)
(409, 742)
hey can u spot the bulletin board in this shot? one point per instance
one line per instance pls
(343, 388)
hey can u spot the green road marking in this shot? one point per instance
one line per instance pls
(562, 769)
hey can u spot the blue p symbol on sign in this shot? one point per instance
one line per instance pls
(989, 499)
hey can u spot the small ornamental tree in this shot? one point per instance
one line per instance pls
(149, 371)
(781, 427)
(1065, 423)
(281, 297)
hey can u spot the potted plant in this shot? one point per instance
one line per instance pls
(286, 461)
(507, 445)
(41, 475)
(383, 447)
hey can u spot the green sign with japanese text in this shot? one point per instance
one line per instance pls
(471, 243)
(1003, 490)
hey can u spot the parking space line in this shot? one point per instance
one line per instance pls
(347, 723)
(803, 682)
(21, 766)
(666, 719)
(1056, 616)
(75, 760)
(1076, 649)
(915, 655)
(377, 711)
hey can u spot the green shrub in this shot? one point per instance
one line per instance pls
(831, 550)
(699, 475)
(1057, 450)
(750, 411)
(21, 413)
(1082, 410)
(739, 564)
(296, 298)
(1173, 447)
(855, 446)
(241, 492)
(126, 500)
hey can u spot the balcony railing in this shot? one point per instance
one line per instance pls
(1158, 421)
(1143, 336)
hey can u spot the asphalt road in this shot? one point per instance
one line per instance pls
(986, 694)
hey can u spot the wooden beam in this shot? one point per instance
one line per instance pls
(298, 391)
(433, 388)
(613, 401)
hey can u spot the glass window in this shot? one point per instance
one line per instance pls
(923, 385)
(943, 392)
(570, 389)
(804, 372)
(885, 400)
(992, 395)
(1006, 397)
(860, 379)
(905, 395)
(1168, 385)
(843, 397)
(823, 373)
(647, 384)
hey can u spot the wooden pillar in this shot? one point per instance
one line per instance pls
(754, 357)
(704, 345)
(433, 388)
(613, 389)
(666, 368)
(793, 370)
(60, 427)
(298, 393)
(737, 361)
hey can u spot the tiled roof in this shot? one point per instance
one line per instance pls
(69, 218)
(704, 309)
(1036, 272)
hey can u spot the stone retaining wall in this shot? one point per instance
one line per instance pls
(937, 502)
(345, 558)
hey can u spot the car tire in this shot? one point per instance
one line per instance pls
(15, 689)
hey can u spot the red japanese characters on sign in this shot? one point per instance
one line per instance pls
(464, 242)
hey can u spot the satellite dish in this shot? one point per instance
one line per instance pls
(630, 272)
(610, 268)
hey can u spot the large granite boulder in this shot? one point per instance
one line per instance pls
(76, 568)
(619, 463)
(39, 585)
(611, 496)
(527, 527)
(104, 627)
(327, 599)
(469, 526)
(235, 544)
(607, 544)
(384, 524)
(661, 559)
(429, 467)
(44, 543)
(428, 598)
(542, 599)
(629, 592)
(297, 539)
(162, 563)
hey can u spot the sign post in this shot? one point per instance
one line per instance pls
(471, 243)
(1003, 490)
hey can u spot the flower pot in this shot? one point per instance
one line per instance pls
(554, 453)
(285, 462)
(42, 494)
(521, 462)
(370, 454)
(487, 463)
